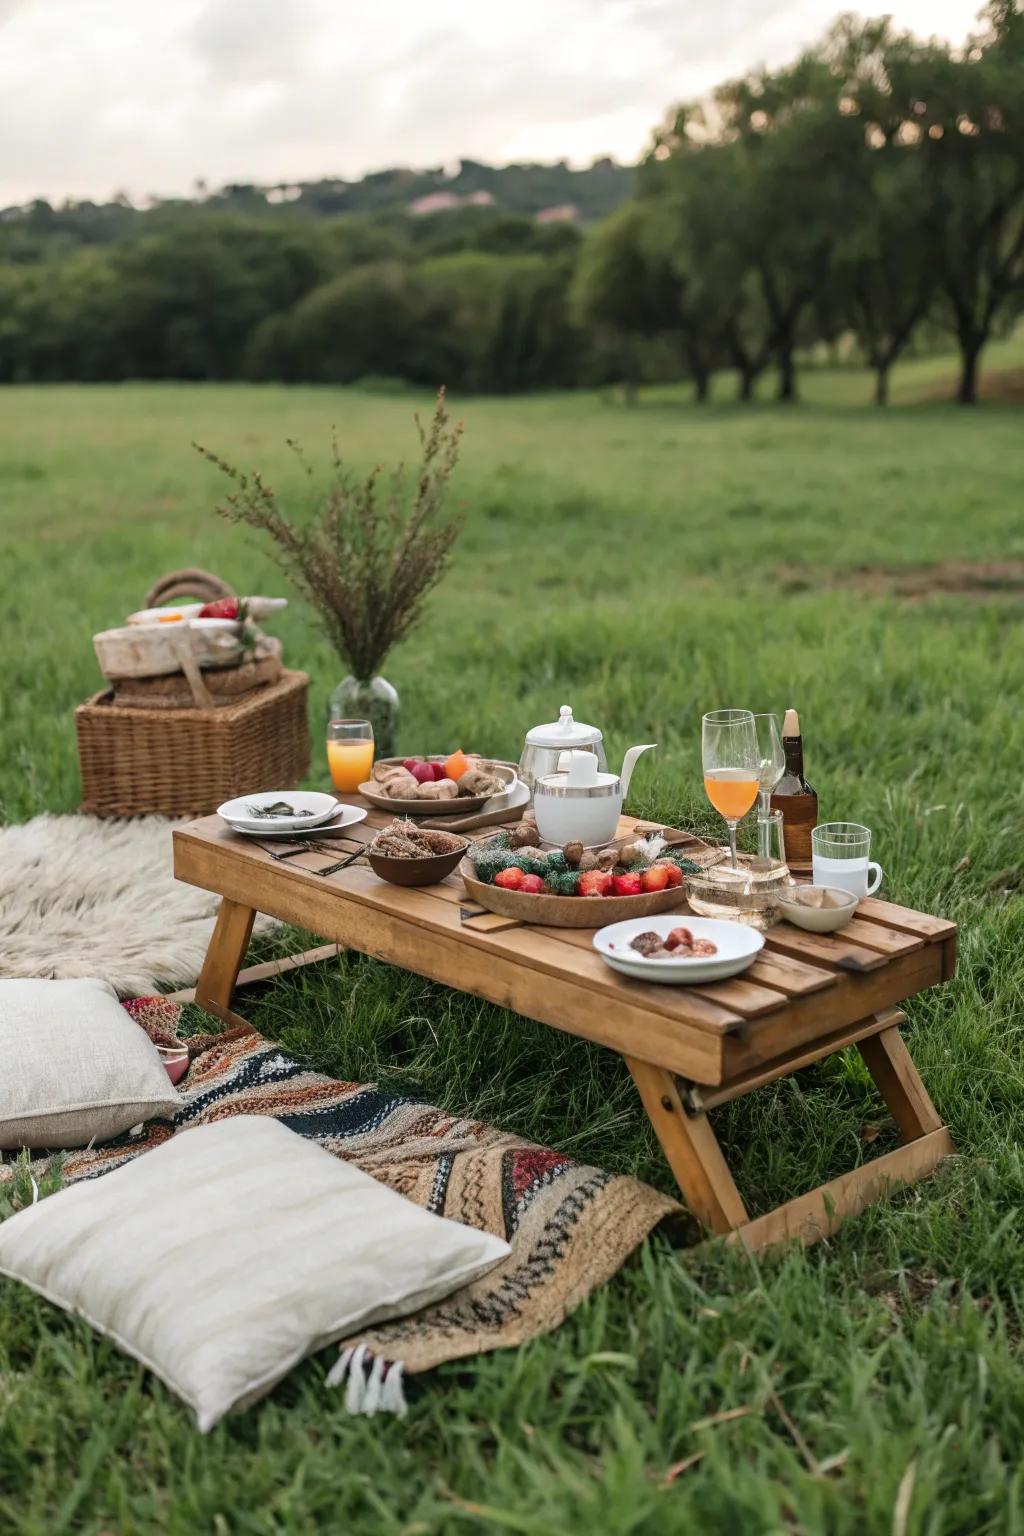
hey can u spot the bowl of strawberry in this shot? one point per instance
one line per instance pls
(572, 886)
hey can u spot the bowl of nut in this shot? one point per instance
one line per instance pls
(406, 854)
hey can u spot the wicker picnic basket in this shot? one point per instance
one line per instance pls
(186, 762)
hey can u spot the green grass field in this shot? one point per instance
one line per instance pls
(645, 565)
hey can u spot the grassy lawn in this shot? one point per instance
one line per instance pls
(644, 565)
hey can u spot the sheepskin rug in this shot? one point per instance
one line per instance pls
(87, 896)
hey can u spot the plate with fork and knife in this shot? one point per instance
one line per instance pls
(289, 814)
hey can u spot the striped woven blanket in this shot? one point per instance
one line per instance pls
(570, 1226)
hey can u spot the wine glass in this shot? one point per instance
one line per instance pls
(773, 766)
(349, 753)
(731, 766)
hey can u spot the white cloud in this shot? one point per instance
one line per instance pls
(103, 94)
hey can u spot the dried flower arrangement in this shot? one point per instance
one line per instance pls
(365, 559)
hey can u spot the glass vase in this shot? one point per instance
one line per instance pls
(375, 700)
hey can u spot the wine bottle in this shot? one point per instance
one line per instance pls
(795, 798)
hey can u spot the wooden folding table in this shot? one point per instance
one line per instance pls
(688, 1048)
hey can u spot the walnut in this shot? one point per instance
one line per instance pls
(475, 781)
(524, 836)
(441, 789)
(573, 853)
(395, 781)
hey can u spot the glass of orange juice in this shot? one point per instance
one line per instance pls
(732, 766)
(349, 753)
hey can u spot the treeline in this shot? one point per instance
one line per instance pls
(476, 299)
(872, 191)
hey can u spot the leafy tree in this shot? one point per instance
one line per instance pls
(972, 126)
(627, 283)
(794, 158)
(363, 322)
(495, 323)
(960, 117)
(722, 315)
(884, 273)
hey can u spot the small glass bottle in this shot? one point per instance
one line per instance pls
(795, 798)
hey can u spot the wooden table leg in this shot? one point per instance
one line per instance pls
(926, 1143)
(899, 1082)
(691, 1150)
(228, 944)
(710, 1192)
(819, 1213)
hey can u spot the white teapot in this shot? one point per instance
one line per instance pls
(582, 803)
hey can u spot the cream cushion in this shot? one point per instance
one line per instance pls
(73, 1066)
(225, 1256)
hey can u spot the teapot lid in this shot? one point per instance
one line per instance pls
(563, 733)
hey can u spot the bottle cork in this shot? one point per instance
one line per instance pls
(791, 724)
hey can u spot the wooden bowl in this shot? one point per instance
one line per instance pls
(425, 871)
(570, 911)
(462, 805)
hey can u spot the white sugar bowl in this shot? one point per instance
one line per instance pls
(583, 804)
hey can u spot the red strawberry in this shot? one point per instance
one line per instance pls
(223, 608)
(655, 878)
(531, 883)
(594, 882)
(625, 885)
(510, 879)
(675, 874)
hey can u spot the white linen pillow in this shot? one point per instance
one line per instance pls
(224, 1257)
(73, 1066)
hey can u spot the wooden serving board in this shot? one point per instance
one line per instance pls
(568, 911)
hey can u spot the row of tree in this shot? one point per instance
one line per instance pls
(873, 189)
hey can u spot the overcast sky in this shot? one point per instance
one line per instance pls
(149, 95)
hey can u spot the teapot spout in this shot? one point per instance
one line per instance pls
(628, 763)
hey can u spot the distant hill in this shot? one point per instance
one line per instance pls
(556, 192)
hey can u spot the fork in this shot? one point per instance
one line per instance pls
(329, 869)
(301, 845)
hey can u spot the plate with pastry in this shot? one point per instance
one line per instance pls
(456, 784)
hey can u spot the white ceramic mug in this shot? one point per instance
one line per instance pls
(839, 857)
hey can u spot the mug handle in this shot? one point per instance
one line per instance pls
(877, 880)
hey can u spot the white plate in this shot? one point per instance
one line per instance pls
(738, 946)
(236, 812)
(158, 615)
(348, 816)
(510, 799)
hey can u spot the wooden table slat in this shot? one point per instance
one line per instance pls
(905, 920)
(887, 941)
(744, 997)
(822, 948)
(793, 977)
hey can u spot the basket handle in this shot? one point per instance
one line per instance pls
(188, 583)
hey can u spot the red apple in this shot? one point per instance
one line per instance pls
(409, 763)
(439, 772)
(423, 773)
